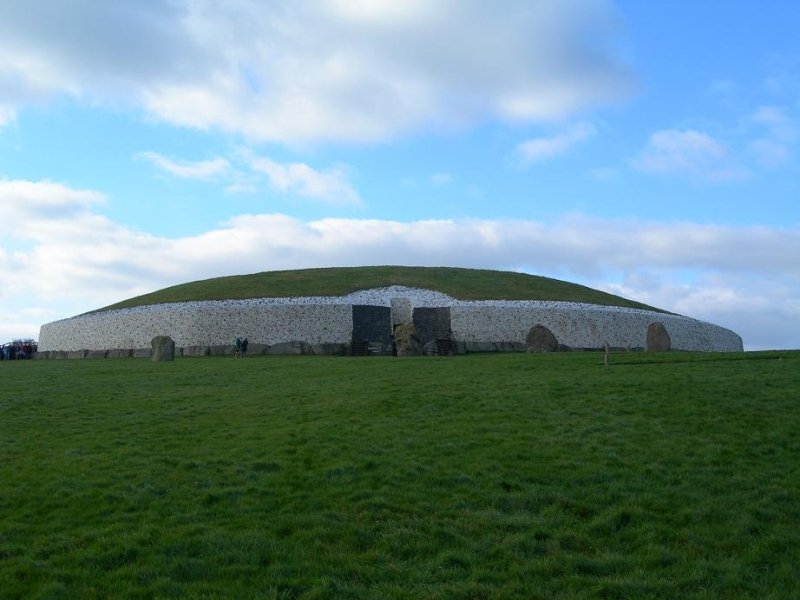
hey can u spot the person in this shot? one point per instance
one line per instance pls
(238, 344)
(244, 348)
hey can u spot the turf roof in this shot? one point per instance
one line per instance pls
(460, 283)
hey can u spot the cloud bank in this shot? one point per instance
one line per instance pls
(74, 259)
(317, 70)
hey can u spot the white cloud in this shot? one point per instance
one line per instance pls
(330, 185)
(204, 169)
(27, 209)
(774, 148)
(769, 153)
(318, 70)
(689, 153)
(781, 125)
(242, 172)
(7, 114)
(441, 178)
(70, 261)
(544, 148)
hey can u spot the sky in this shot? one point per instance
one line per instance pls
(648, 149)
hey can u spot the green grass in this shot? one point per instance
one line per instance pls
(465, 284)
(494, 476)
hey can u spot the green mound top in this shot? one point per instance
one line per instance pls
(464, 284)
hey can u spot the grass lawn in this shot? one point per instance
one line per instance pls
(494, 476)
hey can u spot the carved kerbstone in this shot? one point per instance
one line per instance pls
(407, 341)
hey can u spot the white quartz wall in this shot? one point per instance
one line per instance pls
(201, 324)
(318, 320)
(586, 326)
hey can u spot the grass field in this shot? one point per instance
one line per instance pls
(494, 476)
(465, 284)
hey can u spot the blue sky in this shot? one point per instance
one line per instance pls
(649, 149)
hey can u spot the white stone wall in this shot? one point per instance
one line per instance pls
(201, 324)
(319, 320)
(586, 326)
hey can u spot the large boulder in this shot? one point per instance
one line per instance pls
(541, 339)
(406, 340)
(162, 348)
(658, 339)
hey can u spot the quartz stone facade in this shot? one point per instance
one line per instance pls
(327, 324)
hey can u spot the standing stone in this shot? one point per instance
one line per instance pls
(407, 341)
(658, 339)
(402, 311)
(541, 339)
(163, 348)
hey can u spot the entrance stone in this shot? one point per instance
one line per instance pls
(407, 341)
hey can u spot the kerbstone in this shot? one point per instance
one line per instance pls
(163, 349)
(541, 339)
(658, 339)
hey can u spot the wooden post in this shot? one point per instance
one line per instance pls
(605, 346)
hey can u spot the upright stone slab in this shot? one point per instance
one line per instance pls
(541, 339)
(372, 324)
(432, 323)
(402, 311)
(163, 348)
(658, 339)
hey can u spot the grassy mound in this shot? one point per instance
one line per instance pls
(464, 284)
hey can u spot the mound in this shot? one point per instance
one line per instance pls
(358, 311)
(462, 284)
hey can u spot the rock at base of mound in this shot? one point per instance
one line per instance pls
(195, 351)
(330, 349)
(658, 339)
(541, 339)
(406, 340)
(222, 350)
(163, 348)
(293, 347)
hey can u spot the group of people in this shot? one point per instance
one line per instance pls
(18, 350)
(241, 347)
